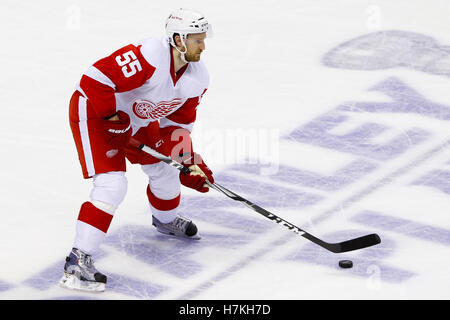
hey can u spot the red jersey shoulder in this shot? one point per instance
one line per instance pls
(126, 68)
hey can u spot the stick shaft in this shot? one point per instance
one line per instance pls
(349, 245)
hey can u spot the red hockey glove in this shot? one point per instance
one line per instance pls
(196, 179)
(136, 155)
(118, 132)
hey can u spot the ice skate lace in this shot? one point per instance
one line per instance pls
(179, 223)
(87, 261)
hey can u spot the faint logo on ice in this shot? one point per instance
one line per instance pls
(373, 282)
(73, 21)
(390, 49)
(373, 21)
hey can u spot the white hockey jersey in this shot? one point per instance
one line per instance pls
(140, 80)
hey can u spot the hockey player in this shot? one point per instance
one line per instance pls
(148, 91)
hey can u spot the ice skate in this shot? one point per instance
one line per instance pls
(80, 273)
(179, 227)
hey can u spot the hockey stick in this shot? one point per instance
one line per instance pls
(345, 246)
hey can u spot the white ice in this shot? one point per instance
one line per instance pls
(267, 78)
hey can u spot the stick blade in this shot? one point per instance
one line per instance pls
(359, 243)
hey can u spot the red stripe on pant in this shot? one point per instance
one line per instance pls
(95, 217)
(160, 204)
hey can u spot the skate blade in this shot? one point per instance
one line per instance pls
(69, 281)
(194, 237)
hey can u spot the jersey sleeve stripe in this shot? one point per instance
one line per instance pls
(99, 76)
(164, 122)
(101, 96)
(78, 88)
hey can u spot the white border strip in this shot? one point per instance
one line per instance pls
(84, 133)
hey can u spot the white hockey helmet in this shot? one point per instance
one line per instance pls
(184, 22)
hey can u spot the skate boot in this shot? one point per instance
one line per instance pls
(179, 227)
(80, 273)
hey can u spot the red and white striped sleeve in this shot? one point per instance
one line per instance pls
(123, 70)
(185, 116)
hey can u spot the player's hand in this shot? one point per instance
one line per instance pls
(200, 173)
(117, 129)
(137, 155)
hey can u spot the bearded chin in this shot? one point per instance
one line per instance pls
(191, 57)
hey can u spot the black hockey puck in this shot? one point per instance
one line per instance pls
(345, 264)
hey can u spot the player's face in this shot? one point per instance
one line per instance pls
(195, 44)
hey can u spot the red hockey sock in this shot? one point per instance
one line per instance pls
(161, 204)
(95, 217)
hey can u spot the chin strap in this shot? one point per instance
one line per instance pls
(182, 53)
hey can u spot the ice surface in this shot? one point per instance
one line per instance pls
(335, 117)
